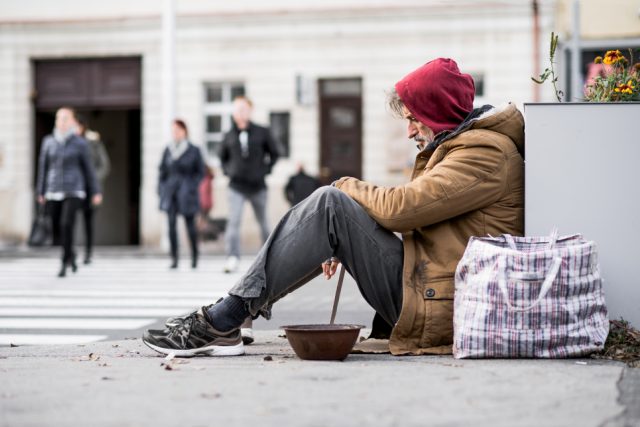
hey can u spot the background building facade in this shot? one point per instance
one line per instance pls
(318, 73)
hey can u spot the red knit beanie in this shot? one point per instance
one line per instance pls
(437, 94)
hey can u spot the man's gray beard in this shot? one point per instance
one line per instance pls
(422, 141)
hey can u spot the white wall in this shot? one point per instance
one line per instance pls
(265, 45)
(588, 185)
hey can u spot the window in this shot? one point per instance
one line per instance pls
(218, 106)
(279, 125)
(478, 80)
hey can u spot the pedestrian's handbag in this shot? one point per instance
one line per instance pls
(41, 228)
(529, 297)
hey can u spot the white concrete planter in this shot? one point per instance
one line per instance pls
(582, 175)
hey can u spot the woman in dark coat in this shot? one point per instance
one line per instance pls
(181, 171)
(66, 179)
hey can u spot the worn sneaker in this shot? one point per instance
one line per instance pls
(195, 336)
(232, 264)
(246, 330)
(172, 322)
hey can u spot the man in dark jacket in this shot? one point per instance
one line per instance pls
(300, 186)
(247, 153)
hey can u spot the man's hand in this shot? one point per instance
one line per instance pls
(329, 267)
(41, 200)
(96, 200)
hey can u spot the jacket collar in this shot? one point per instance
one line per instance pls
(237, 130)
(466, 124)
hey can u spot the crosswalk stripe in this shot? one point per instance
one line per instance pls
(121, 296)
(112, 302)
(95, 311)
(42, 339)
(56, 323)
(105, 293)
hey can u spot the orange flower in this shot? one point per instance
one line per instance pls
(612, 57)
(625, 88)
(598, 60)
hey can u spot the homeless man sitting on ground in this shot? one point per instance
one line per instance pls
(468, 180)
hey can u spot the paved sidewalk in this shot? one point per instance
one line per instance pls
(124, 384)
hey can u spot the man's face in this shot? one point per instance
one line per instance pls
(241, 113)
(416, 130)
(64, 120)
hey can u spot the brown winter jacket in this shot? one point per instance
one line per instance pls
(472, 184)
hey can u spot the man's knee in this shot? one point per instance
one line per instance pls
(329, 193)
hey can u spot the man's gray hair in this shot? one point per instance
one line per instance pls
(395, 103)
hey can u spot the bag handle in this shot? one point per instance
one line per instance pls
(553, 238)
(546, 285)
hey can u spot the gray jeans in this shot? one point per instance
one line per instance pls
(327, 223)
(258, 202)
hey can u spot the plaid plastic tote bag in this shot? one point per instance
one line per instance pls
(529, 297)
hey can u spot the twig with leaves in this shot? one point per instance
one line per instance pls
(550, 72)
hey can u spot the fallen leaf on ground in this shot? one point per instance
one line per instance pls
(92, 357)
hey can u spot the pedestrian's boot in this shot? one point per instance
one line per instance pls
(174, 259)
(68, 262)
(194, 259)
(63, 270)
(72, 263)
(87, 257)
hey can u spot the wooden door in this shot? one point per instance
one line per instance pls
(107, 92)
(340, 128)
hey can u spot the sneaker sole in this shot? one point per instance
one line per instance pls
(212, 350)
(247, 335)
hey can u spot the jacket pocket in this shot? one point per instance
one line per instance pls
(438, 313)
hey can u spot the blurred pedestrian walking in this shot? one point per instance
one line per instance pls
(300, 186)
(65, 179)
(181, 171)
(247, 153)
(102, 167)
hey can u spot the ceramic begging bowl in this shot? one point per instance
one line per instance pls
(322, 342)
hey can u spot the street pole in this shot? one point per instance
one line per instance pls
(168, 85)
(576, 78)
(168, 68)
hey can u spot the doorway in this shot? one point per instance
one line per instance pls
(106, 91)
(340, 128)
